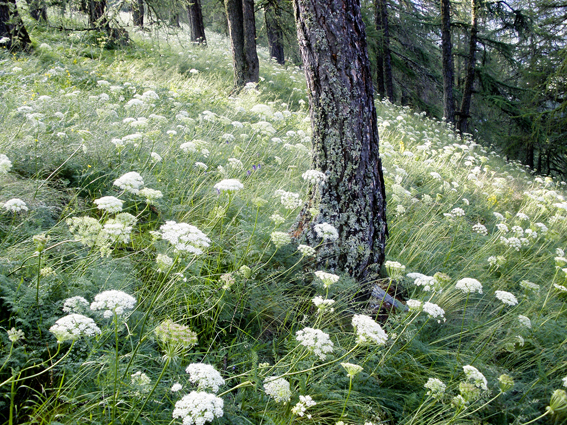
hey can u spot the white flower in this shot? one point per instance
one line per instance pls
(304, 403)
(289, 200)
(326, 231)
(141, 380)
(130, 182)
(205, 376)
(109, 203)
(316, 341)
(184, 237)
(525, 321)
(352, 369)
(156, 157)
(474, 375)
(198, 408)
(280, 239)
(422, 280)
(469, 285)
(74, 326)
(201, 165)
(323, 304)
(564, 381)
(15, 205)
(414, 305)
(84, 229)
(5, 164)
(229, 185)
(498, 216)
(75, 305)
(502, 227)
(395, 269)
(188, 147)
(277, 388)
(314, 176)
(14, 335)
(327, 278)
(522, 216)
(529, 286)
(368, 331)
(176, 387)
(458, 212)
(151, 195)
(113, 302)
(433, 310)
(164, 262)
(306, 250)
(436, 387)
(480, 229)
(235, 163)
(506, 297)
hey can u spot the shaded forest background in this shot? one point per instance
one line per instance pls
(495, 69)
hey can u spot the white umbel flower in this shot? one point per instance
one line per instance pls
(304, 403)
(525, 321)
(277, 388)
(306, 250)
(109, 204)
(184, 237)
(314, 176)
(316, 341)
(506, 297)
(5, 164)
(73, 327)
(476, 377)
(113, 302)
(75, 305)
(289, 200)
(205, 376)
(436, 387)
(280, 239)
(326, 231)
(15, 205)
(198, 408)
(327, 278)
(229, 185)
(151, 195)
(130, 182)
(469, 285)
(368, 331)
(323, 305)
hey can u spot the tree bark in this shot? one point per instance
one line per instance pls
(448, 72)
(195, 14)
(97, 15)
(272, 17)
(380, 49)
(388, 77)
(333, 47)
(469, 79)
(242, 31)
(138, 13)
(12, 27)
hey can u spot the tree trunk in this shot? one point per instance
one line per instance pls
(38, 10)
(242, 31)
(138, 13)
(332, 41)
(97, 15)
(469, 79)
(272, 17)
(195, 14)
(12, 27)
(380, 48)
(448, 73)
(388, 77)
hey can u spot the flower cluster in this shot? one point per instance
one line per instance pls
(151, 195)
(113, 302)
(130, 182)
(323, 304)
(395, 270)
(316, 341)
(5, 164)
(75, 305)
(436, 387)
(141, 380)
(306, 250)
(84, 229)
(433, 310)
(352, 369)
(15, 205)
(289, 200)
(198, 408)
(170, 333)
(205, 376)
(469, 285)
(326, 231)
(280, 239)
(314, 176)
(480, 229)
(304, 403)
(327, 278)
(73, 327)
(277, 388)
(368, 331)
(229, 185)
(184, 237)
(525, 321)
(109, 204)
(478, 379)
(506, 297)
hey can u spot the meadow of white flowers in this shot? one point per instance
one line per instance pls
(148, 274)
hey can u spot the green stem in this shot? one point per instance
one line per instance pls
(536, 419)
(152, 391)
(38, 279)
(347, 397)
(242, 384)
(115, 369)
(462, 326)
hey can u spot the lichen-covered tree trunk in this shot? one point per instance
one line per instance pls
(195, 14)
(464, 113)
(448, 72)
(12, 27)
(333, 47)
(242, 31)
(272, 16)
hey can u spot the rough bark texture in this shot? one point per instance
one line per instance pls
(138, 13)
(242, 31)
(12, 26)
(464, 113)
(272, 17)
(333, 47)
(448, 99)
(195, 14)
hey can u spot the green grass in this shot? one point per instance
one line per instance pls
(243, 297)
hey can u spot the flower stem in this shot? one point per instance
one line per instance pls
(347, 397)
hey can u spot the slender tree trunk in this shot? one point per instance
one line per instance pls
(380, 48)
(388, 77)
(195, 14)
(272, 17)
(333, 47)
(469, 79)
(12, 27)
(138, 13)
(38, 10)
(97, 15)
(242, 30)
(448, 72)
